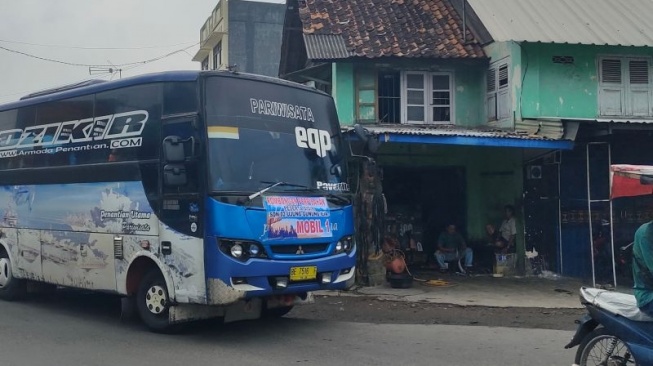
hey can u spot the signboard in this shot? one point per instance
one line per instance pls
(297, 217)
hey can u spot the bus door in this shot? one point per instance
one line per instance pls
(181, 214)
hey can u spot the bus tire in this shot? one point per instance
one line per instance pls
(153, 302)
(11, 288)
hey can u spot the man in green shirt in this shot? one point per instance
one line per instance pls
(643, 268)
(451, 246)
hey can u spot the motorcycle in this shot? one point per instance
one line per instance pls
(614, 332)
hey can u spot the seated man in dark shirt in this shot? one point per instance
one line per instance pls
(451, 246)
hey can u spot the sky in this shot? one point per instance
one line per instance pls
(117, 31)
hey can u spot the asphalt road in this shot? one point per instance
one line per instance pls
(72, 330)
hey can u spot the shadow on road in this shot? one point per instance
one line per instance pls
(105, 310)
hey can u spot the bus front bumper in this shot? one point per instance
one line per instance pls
(276, 278)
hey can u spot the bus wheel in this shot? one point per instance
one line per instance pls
(11, 288)
(153, 303)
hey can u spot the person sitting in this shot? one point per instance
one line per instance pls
(643, 268)
(451, 246)
(495, 240)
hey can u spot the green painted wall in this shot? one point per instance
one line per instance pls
(511, 51)
(342, 90)
(555, 90)
(494, 177)
(469, 97)
(469, 84)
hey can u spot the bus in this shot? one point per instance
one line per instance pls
(194, 194)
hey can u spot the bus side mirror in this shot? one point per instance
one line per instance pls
(364, 135)
(174, 150)
(336, 170)
(174, 175)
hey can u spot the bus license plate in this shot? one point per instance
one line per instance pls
(303, 273)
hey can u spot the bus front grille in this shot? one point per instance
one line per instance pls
(299, 249)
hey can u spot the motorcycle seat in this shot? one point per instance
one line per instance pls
(615, 302)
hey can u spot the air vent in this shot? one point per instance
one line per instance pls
(535, 172)
(503, 75)
(638, 72)
(491, 80)
(563, 59)
(117, 247)
(611, 71)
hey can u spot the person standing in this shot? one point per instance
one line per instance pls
(508, 229)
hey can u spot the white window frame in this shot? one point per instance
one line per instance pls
(494, 96)
(427, 77)
(626, 89)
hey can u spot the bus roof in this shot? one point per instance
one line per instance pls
(65, 92)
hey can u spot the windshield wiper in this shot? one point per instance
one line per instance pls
(300, 188)
(333, 196)
(272, 185)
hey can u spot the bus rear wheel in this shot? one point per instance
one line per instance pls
(153, 303)
(11, 288)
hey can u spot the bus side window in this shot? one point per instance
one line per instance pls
(68, 110)
(8, 121)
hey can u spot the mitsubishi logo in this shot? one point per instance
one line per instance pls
(299, 250)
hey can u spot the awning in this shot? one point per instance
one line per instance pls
(452, 135)
(631, 180)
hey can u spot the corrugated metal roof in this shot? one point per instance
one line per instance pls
(451, 130)
(648, 121)
(326, 47)
(594, 22)
(548, 129)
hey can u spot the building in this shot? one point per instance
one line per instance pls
(242, 33)
(417, 75)
(586, 67)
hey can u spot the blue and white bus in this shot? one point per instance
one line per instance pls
(197, 194)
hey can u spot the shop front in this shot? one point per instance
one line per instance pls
(597, 228)
(433, 179)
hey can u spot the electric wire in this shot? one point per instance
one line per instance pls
(94, 48)
(98, 65)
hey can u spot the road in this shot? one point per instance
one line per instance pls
(71, 330)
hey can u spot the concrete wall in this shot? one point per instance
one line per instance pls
(565, 90)
(255, 31)
(342, 90)
(555, 90)
(469, 81)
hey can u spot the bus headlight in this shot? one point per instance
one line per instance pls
(241, 250)
(345, 245)
(253, 250)
(236, 251)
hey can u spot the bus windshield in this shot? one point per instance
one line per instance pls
(258, 138)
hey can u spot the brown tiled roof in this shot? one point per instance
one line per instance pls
(401, 28)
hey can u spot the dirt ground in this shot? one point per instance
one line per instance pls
(371, 310)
